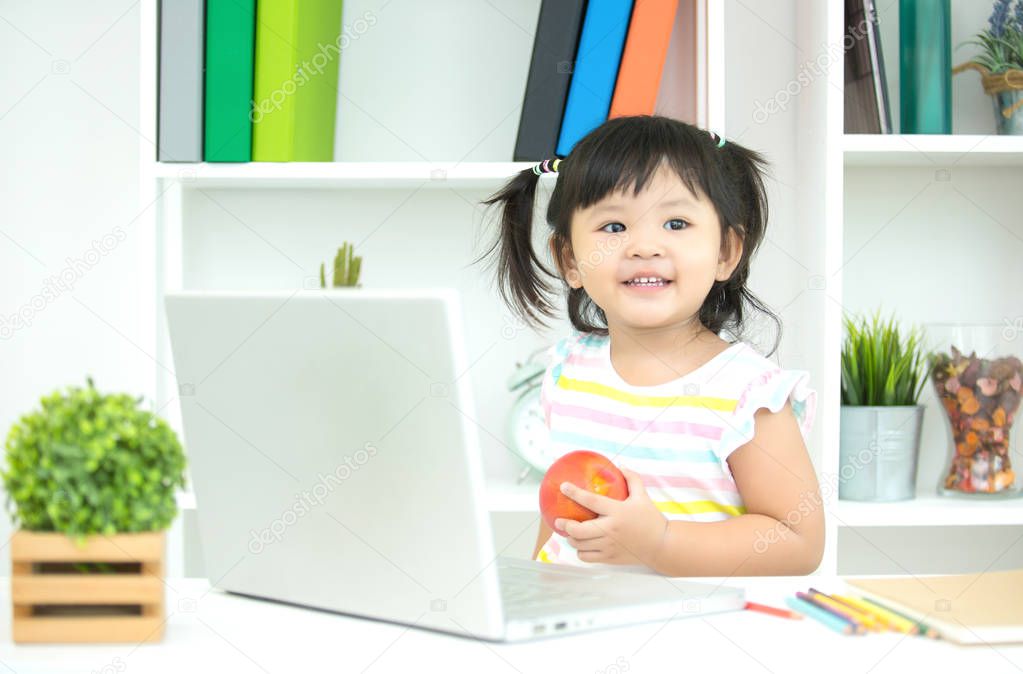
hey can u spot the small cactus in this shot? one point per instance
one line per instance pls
(346, 268)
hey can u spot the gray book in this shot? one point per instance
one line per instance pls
(180, 118)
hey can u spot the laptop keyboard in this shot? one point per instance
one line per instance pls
(528, 589)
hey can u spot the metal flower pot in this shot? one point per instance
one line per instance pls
(878, 450)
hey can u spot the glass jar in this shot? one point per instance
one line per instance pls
(977, 379)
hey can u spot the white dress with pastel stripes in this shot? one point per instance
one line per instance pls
(676, 435)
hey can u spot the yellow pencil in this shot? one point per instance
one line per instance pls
(868, 620)
(897, 623)
(877, 621)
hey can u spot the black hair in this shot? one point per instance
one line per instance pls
(626, 151)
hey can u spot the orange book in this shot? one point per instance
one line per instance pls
(646, 46)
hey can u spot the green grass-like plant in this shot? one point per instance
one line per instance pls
(879, 366)
(92, 463)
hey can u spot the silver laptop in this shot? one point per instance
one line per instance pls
(335, 460)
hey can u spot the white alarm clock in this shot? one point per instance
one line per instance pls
(527, 431)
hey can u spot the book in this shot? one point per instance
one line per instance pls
(972, 608)
(230, 45)
(646, 46)
(866, 87)
(596, 70)
(180, 105)
(298, 48)
(550, 70)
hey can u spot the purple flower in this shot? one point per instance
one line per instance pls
(999, 17)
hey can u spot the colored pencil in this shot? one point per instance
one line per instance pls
(771, 610)
(924, 628)
(868, 620)
(829, 620)
(851, 617)
(896, 622)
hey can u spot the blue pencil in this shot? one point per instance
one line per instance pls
(829, 620)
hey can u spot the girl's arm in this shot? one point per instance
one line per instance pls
(542, 536)
(782, 532)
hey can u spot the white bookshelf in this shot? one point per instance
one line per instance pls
(930, 228)
(930, 510)
(268, 225)
(339, 175)
(965, 150)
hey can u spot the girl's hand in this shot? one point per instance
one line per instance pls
(624, 532)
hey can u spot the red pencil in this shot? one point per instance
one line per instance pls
(780, 612)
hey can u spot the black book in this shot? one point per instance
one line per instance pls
(550, 72)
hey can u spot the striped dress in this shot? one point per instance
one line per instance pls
(676, 435)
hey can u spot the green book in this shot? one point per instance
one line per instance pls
(297, 56)
(230, 44)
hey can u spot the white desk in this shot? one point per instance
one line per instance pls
(210, 631)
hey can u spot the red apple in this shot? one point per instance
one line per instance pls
(587, 470)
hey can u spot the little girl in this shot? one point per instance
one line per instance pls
(653, 223)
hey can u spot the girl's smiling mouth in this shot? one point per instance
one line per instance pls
(647, 283)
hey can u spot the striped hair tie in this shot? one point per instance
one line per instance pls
(547, 166)
(717, 138)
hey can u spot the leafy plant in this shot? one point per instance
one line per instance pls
(87, 462)
(346, 268)
(1002, 41)
(879, 367)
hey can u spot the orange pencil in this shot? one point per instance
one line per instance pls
(780, 612)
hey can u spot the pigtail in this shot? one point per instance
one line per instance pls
(744, 170)
(519, 271)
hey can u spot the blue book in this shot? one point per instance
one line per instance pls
(595, 71)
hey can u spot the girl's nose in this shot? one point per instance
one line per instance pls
(644, 247)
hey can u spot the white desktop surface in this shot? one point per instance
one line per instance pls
(208, 630)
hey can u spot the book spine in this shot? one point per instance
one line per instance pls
(550, 71)
(273, 104)
(596, 68)
(180, 107)
(646, 47)
(230, 42)
(298, 51)
(318, 46)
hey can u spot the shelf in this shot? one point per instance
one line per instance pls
(939, 151)
(929, 509)
(486, 175)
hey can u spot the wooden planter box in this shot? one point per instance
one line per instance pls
(52, 602)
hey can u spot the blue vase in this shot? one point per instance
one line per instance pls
(925, 66)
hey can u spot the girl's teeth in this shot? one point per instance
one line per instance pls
(647, 281)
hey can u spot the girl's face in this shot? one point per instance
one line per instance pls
(666, 232)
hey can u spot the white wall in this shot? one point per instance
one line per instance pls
(69, 176)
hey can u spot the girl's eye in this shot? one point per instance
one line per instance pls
(611, 224)
(677, 220)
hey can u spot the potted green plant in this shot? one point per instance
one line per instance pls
(347, 266)
(1000, 64)
(91, 482)
(883, 374)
